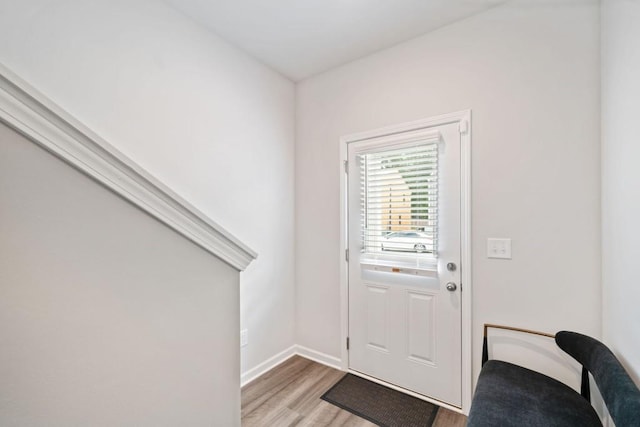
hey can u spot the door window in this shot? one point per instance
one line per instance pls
(399, 203)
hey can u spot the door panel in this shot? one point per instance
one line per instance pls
(377, 321)
(404, 325)
(420, 326)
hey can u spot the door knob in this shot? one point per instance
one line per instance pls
(451, 286)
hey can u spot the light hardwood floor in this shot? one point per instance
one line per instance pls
(289, 395)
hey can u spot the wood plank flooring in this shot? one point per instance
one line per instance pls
(289, 395)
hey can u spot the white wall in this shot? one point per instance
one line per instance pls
(107, 316)
(620, 178)
(529, 70)
(213, 124)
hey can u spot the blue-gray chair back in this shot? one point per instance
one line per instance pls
(619, 392)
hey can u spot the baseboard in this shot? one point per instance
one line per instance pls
(267, 365)
(316, 356)
(283, 356)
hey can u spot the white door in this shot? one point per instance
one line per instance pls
(404, 260)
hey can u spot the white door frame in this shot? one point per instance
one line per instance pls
(464, 120)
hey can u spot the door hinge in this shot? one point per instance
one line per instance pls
(460, 286)
(463, 126)
(346, 166)
(347, 343)
(346, 255)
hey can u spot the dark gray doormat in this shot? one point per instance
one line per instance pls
(379, 404)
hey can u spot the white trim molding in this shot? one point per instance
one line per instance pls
(463, 118)
(30, 113)
(283, 356)
(317, 356)
(267, 365)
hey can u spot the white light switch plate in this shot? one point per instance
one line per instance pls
(244, 337)
(499, 248)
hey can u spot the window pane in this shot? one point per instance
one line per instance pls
(399, 200)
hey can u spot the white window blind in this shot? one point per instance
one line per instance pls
(399, 201)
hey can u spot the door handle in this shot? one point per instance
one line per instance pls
(451, 286)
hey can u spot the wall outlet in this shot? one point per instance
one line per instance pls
(499, 248)
(244, 337)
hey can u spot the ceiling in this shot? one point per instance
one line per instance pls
(300, 38)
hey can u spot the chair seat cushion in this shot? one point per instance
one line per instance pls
(510, 395)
